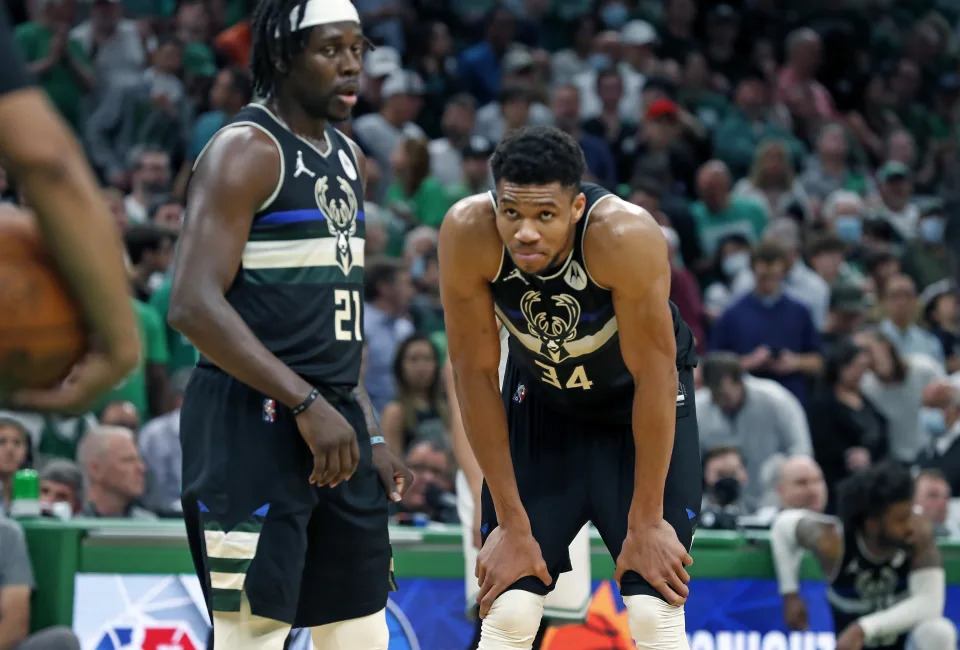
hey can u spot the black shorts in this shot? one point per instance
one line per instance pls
(304, 555)
(570, 471)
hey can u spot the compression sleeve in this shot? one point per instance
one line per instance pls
(13, 72)
(787, 552)
(928, 588)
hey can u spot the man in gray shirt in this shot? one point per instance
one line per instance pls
(16, 586)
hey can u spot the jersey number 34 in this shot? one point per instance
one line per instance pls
(348, 309)
(577, 379)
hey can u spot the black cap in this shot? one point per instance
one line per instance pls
(848, 298)
(478, 147)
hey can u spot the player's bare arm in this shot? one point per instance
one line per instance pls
(626, 252)
(235, 176)
(470, 252)
(466, 460)
(793, 532)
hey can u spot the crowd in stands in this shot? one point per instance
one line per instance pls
(802, 159)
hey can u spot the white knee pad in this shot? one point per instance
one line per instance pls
(512, 622)
(934, 634)
(244, 631)
(655, 625)
(364, 633)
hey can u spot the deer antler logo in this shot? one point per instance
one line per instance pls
(341, 219)
(553, 329)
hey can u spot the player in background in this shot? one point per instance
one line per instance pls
(886, 582)
(48, 164)
(285, 477)
(599, 375)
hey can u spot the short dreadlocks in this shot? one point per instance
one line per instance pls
(275, 42)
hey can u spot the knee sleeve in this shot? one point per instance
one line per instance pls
(364, 633)
(934, 634)
(655, 625)
(512, 622)
(244, 631)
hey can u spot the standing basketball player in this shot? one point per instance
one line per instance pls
(887, 583)
(49, 166)
(584, 430)
(268, 286)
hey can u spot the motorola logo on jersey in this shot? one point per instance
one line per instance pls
(575, 276)
(555, 325)
(341, 217)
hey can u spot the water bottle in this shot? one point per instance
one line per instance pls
(26, 494)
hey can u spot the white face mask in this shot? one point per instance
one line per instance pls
(734, 264)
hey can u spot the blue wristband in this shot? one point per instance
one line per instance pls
(378, 440)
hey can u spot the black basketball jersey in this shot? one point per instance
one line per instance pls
(300, 283)
(865, 584)
(563, 331)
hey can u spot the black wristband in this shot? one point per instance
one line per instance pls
(305, 404)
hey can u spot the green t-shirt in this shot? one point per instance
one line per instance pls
(60, 83)
(742, 217)
(182, 353)
(429, 204)
(153, 350)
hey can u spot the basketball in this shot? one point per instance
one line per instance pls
(42, 333)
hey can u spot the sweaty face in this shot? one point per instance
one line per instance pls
(537, 223)
(325, 78)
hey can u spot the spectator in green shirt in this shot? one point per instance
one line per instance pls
(182, 353)
(414, 195)
(718, 214)
(145, 387)
(58, 62)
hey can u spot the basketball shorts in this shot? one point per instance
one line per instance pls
(304, 555)
(570, 472)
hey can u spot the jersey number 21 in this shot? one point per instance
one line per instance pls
(348, 309)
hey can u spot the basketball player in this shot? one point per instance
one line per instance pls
(584, 430)
(887, 584)
(47, 163)
(268, 286)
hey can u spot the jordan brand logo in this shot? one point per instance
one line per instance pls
(515, 274)
(301, 168)
(555, 326)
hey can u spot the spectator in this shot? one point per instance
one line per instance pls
(112, 43)
(383, 20)
(159, 445)
(381, 133)
(801, 485)
(719, 214)
(698, 93)
(115, 203)
(438, 68)
(677, 38)
(664, 145)
(906, 83)
(150, 248)
(826, 256)
(113, 474)
(389, 289)
(932, 495)
(899, 305)
(149, 180)
(56, 58)
(419, 411)
(684, 292)
(432, 493)
(378, 64)
(476, 169)
(772, 183)
(14, 455)
(896, 194)
(479, 67)
(497, 118)
(723, 32)
(756, 416)
(773, 333)
(446, 153)
(606, 52)
(926, 259)
(731, 260)
(848, 308)
(848, 432)
(940, 424)
(725, 482)
(414, 196)
(800, 72)
(61, 481)
(16, 588)
(829, 170)
(121, 414)
(616, 131)
(941, 313)
(842, 214)
(895, 386)
(566, 64)
(566, 111)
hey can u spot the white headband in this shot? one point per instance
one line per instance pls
(324, 12)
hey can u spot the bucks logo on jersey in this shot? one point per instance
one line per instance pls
(555, 325)
(341, 219)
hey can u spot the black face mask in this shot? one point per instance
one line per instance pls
(726, 490)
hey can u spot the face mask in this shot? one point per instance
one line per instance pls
(932, 421)
(615, 16)
(849, 228)
(726, 490)
(931, 229)
(418, 266)
(734, 264)
(599, 61)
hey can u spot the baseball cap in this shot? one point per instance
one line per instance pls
(381, 62)
(848, 298)
(478, 147)
(402, 82)
(517, 58)
(638, 32)
(661, 108)
(892, 169)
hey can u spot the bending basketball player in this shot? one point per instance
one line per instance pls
(584, 430)
(284, 473)
(887, 583)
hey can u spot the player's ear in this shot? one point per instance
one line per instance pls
(579, 205)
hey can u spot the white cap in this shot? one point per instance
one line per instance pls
(381, 62)
(402, 82)
(638, 32)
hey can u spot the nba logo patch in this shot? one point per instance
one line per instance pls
(520, 395)
(269, 410)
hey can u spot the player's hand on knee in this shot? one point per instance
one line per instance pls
(795, 612)
(506, 557)
(852, 638)
(653, 551)
(331, 440)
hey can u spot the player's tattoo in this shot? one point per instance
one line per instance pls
(363, 399)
